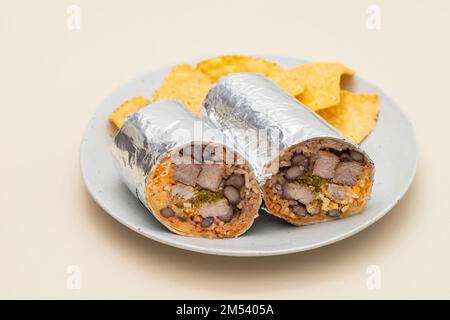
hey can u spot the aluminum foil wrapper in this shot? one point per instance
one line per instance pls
(152, 132)
(262, 119)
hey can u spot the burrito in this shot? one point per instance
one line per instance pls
(308, 172)
(193, 186)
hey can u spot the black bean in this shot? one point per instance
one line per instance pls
(357, 156)
(232, 194)
(236, 210)
(300, 160)
(345, 157)
(167, 212)
(300, 210)
(227, 217)
(334, 213)
(335, 151)
(294, 172)
(235, 180)
(207, 222)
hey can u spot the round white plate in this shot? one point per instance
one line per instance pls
(391, 145)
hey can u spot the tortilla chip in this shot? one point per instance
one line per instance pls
(119, 114)
(321, 82)
(355, 116)
(218, 67)
(185, 84)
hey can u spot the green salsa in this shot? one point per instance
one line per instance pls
(314, 181)
(205, 196)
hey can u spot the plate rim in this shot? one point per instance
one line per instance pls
(245, 253)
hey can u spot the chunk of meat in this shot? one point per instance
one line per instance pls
(187, 173)
(348, 173)
(189, 154)
(336, 192)
(325, 164)
(210, 176)
(216, 209)
(183, 191)
(300, 160)
(294, 172)
(299, 192)
(214, 154)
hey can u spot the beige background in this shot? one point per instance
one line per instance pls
(52, 79)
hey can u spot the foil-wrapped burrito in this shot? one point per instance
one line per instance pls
(186, 173)
(308, 172)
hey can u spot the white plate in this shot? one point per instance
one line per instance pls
(391, 145)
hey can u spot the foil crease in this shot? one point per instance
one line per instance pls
(152, 132)
(243, 105)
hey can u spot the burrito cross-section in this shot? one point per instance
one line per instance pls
(186, 173)
(308, 172)
(318, 180)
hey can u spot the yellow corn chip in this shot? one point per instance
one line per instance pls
(355, 116)
(321, 83)
(218, 67)
(119, 115)
(185, 84)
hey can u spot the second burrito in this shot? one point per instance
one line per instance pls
(308, 172)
